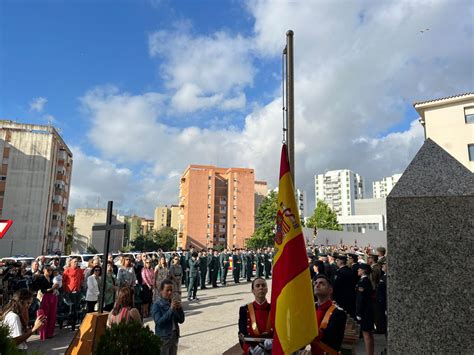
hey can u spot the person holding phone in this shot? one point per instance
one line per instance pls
(12, 317)
(167, 314)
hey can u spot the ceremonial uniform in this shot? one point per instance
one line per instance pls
(254, 321)
(193, 277)
(249, 266)
(344, 293)
(365, 304)
(331, 326)
(224, 261)
(236, 264)
(214, 268)
(267, 263)
(259, 262)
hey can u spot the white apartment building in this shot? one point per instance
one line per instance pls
(162, 217)
(35, 180)
(449, 122)
(339, 189)
(301, 202)
(383, 187)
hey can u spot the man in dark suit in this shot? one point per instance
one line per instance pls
(267, 263)
(259, 263)
(236, 264)
(249, 265)
(214, 267)
(344, 292)
(224, 264)
(331, 319)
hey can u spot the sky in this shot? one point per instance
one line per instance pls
(140, 89)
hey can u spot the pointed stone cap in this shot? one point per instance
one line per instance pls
(434, 172)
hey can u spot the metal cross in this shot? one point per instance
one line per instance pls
(108, 227)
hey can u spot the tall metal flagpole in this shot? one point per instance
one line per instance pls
(290, 103)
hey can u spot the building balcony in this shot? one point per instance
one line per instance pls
(57, 207)
(62, 177)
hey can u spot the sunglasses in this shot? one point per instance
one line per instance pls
(97, 270)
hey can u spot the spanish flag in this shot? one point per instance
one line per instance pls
(293, 310)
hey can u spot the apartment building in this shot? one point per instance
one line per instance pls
(84, 237)
(261, 191)
(382, 188)
(216, 206)
(449, 121)
(301, 203)
(162, 217)
(174, 223)
(339, 189)
(35, 182)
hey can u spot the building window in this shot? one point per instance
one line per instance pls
(3, 177)
(5, 161)
(469, 114)
(470, 148)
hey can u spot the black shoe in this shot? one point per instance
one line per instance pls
(204, 288)
(190, 299)
(196, 299)
(214, 286)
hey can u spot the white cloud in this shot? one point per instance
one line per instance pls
(204, 72)
(37, 104)
(356, 73)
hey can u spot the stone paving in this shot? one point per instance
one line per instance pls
(210, 326)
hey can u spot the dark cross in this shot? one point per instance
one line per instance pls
(107, 228)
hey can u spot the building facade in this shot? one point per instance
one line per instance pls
(449, 122)
(383, 187)
(301, 202)
(162, 217)
(84, 237)
(339, 189)
(174, 223)
(35, 180)
(261, 191)
(216, 207)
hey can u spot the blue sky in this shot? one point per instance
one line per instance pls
(140, 89)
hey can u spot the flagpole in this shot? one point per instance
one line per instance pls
(290, 103)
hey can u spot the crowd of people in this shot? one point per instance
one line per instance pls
(139, 286)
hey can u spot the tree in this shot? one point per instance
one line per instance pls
(265, 223)
(144, 242)
(69, 234)
(323, 218)
(165, 238)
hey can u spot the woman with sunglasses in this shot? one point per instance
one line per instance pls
(176, 275)
(126, 274)
(92, 294)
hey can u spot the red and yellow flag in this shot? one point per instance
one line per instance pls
(293, 310)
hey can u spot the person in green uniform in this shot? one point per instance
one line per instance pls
(236, 264)
(193, 265)
(224, 263)
(203, 268)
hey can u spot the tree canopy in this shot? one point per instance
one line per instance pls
(164, 239)
(265, 223)
(323, 218)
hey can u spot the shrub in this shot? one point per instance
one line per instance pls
(128, 338)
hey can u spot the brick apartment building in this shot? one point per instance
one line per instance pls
(217, 206)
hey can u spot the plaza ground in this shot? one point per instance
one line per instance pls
(210, 326)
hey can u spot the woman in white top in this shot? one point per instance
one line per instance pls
(92, 294)
(12, 317)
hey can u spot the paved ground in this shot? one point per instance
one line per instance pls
(210, 326)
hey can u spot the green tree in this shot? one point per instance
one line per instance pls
(165, 238)
(69, 234)
(144, 242)
(323, 218)
(265, 223)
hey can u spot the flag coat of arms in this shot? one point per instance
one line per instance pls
(293, 310)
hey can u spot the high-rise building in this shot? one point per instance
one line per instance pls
(34, 188)
(84, 237)
(301, 202)
(449, 122)
(261, 191)
(383, 187)
(147, 225)
(162, 217)
(174, 217)
(339, 189)
(216, 206)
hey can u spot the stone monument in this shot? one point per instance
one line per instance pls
(430, 238)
